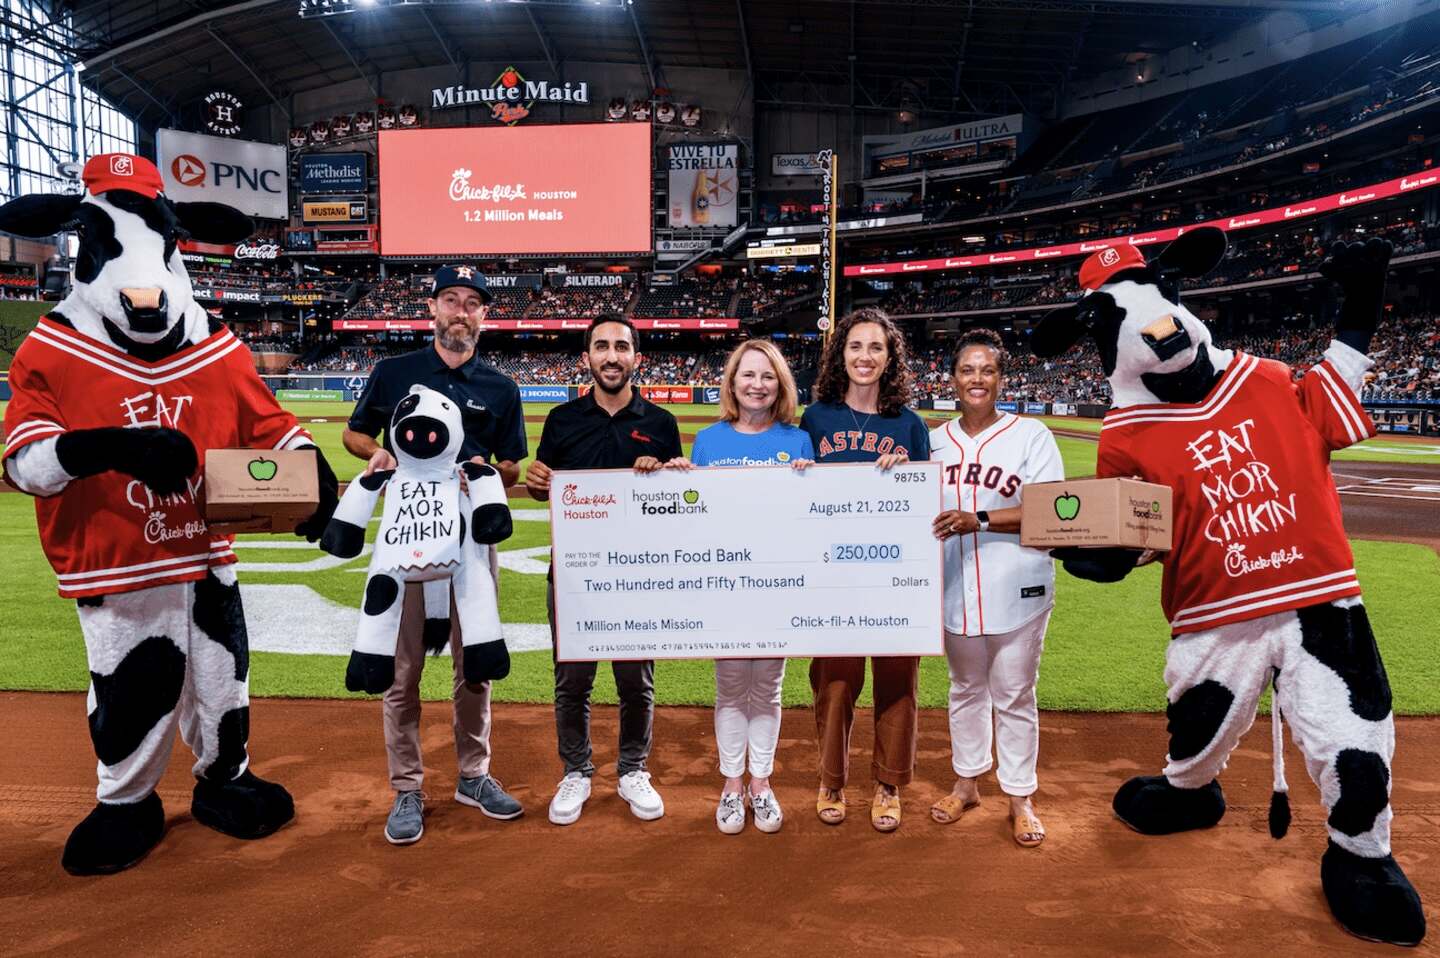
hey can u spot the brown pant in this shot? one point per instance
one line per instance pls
(837, 684)
(402, 703)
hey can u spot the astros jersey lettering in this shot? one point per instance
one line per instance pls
(840, 434)
(1257, 517)
(992, 583)
(108, 533)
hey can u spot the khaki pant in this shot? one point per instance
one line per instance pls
(402, 703)
(837, 684)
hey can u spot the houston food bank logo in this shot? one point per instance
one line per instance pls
(510, 97)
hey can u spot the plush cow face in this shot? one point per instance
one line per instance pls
(427, 429)
(129, 279)
(1152, 348)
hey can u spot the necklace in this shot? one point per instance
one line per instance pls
(859, 426)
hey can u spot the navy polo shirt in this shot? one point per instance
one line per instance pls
(489, 402)
(581, 435)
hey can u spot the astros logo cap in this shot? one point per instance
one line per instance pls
(122, 171)
(1099, 267)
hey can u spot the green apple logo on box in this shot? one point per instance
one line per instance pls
(1067, 507)
(691, 496)
(263, 469)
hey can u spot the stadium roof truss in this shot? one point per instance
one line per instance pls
(940, 58)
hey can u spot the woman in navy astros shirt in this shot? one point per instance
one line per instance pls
(860, 415)
(757, 404)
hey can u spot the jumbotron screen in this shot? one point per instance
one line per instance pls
(573, 188)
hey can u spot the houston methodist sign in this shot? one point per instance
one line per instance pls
(248, 176)
(1424, 179)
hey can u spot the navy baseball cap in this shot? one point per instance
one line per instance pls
(467, 276)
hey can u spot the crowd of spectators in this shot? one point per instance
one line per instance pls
(691, 297)
(579, 302)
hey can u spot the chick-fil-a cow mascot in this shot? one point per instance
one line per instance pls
(1260, 586)
(432, 532)
(117, 394)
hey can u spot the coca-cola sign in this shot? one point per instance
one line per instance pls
(257, 251)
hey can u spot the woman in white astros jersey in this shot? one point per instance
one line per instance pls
(998, 594)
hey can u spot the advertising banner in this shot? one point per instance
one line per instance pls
(704, 184)
(543, 325)
(589, 280)
(945, 405)
(1278, 214)
(334, 211)
(214, 169)
(544, 393)
(577, 188)
(709, 395)
(325, 395)
(333, 173)
(746, 562)
(760, 251)
(514, 280)
(1036, 408)
(795, 164)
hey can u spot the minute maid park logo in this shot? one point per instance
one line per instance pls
(666, 503)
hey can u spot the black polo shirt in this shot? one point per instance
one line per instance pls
(581, 435)
(489, 402)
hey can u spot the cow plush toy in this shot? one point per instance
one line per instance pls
(1260, 585)
(431, 531)
(117, 393)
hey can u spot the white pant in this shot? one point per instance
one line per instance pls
(747, 713)
(171, 657)
(996, 673)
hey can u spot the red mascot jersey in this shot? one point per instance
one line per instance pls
(1257, 517)
(108, 533)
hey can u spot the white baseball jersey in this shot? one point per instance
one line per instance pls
(992, 583)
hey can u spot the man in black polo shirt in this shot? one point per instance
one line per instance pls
(494, 432)
(610, 427)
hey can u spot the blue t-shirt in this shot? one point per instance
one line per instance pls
(840, 434)
(722, 445)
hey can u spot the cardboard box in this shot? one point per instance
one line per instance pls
(259, 490)
(1096, 512)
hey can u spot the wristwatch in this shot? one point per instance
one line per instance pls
(984, 518)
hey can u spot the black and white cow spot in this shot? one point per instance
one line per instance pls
(143, 689)
(1196, 716)
(1364, 791)
(1341, 639)
(219, 614)
(234, 733)
(380, 594)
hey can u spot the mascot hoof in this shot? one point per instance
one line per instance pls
(368, 672)
(486, 662)
(245, 807)
(491, 524)
(114, 837)
(1371, 897)
(1152, 806)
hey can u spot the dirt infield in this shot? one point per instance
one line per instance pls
(328, 884)
(1390, 501)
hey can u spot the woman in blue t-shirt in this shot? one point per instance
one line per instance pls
(861, 416)
(757, 404)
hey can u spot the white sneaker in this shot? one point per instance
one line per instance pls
(645, 802)
(730, 813)
(569, 800)
(768, 816)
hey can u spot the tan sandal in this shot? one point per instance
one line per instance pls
(1024, 825)
(950, 809)
(884, 805)
(830, 810)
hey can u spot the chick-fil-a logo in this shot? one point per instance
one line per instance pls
(462, 192)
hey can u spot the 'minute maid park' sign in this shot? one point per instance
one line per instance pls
(511, 97)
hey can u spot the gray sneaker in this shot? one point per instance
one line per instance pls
(487, 794)
(407, 819)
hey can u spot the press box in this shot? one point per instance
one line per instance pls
(259, 490)
(1096, 512)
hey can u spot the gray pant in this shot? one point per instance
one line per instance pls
(635, 685)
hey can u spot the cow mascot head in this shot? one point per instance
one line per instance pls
(116, 395)
(1259, 584)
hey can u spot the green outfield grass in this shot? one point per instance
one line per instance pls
(1104, 652)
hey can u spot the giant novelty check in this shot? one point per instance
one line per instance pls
(742, 562)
